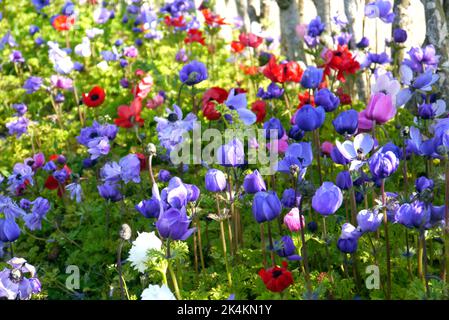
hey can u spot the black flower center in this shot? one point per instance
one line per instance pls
(277, 273)
(94, 97)
(173, 117)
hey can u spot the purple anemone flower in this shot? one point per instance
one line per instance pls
(174, 224)
(381, 9)
(13, 282)
(32, 84)
(193, 73)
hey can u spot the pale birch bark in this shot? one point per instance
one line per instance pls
(437, 33)
(401, 20)
(354, 11)
(323, 8)
(289, 19)
(241, 6)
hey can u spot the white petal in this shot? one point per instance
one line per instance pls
(365, 142)
(439, 107)
(347, 149)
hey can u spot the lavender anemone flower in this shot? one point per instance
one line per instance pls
(16, 57)
(376, 59)
(110, 192)
(422, 83)
(13, 282)
(18, 127)
(173, 129)
(413, 215)
(175, 194)
(21, 174)
(340, 20)
(231, 154)
(32, 84)
(238, 103)
(40, 207)
(299, 154)
(422, 59)
(380, 9)
(176, 8)
(7, 39)
(130, 168)
(98, 147)
(76, 192)
(20, 108)
(181, 56)
(102, 15)
(356, 151)
(87, 134)
(110, 173)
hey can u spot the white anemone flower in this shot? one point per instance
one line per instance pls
(384, 83)
(138, 255)
(155, 292)
(356, 150)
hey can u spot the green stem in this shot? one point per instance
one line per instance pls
(223, 242)
(387, 240)
(353, 206)
(409, 266)
(270, 238)
(262, 241)
(175, 281)
(329, 269)
(446, 229)
(179, 95)
(172, 273)
(318, 151)
(200, 243)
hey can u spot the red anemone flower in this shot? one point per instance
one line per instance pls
(52, 184)
(345, 99)
(143, 161)
(212, 20)
(305, 98)
(63, 23)
(194, 35)
(340, 60)
(95, 97)
(143, 88)
(175, 22)
(277, 279)
(210, 98)
(283, 72)
(249, 70)
(237, 46)
(250, 40)
(129, 116)
(259, 107)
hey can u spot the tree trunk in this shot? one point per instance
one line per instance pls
(437, 34)
(252, 11)
(323, 8)
(264, 10)
(354, 9)
(242, 12)
(289, 19)
(401, 20)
